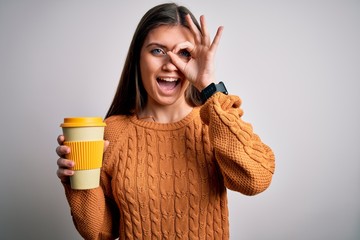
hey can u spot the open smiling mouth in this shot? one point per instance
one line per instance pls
(168, 83)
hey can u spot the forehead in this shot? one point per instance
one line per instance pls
(169, 36)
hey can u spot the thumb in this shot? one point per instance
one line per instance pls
(106, 144)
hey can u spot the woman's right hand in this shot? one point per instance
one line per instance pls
(64, 165)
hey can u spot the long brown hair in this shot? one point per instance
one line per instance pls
(130, 95)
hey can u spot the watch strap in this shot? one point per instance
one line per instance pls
(210, 90)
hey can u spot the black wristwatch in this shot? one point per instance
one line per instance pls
(207, 92)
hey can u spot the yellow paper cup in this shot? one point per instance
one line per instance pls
(85, 137)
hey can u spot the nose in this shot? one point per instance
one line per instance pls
(169, 65)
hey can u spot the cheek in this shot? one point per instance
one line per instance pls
(148, 66)
(143, 66)
(145, 73)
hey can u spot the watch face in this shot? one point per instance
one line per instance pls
(221, 88)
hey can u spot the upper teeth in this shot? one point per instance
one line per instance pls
(169, 79)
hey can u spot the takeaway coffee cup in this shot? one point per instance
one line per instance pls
(85, 137)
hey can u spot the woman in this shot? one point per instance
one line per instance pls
(175, 141)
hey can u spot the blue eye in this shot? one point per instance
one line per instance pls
(157, 51)
(184, 53)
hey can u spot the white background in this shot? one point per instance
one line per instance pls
(295, 64)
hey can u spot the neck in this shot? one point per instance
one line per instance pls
(165, 114)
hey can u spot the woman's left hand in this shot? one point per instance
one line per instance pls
(199, 69)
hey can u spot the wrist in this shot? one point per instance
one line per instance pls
(200, 86)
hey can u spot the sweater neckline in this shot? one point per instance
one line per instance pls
(165, 126)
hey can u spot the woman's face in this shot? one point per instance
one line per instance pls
(163, 82)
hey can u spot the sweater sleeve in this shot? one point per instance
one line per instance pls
(94, 211)
(246, 163)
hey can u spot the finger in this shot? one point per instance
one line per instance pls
(62, 150)
(205, 33)
(60, 139)
(65, 163)
(177, 61)
(193, 28)
(184, 45)
(217, 38)
(64, 174)
(64, 170)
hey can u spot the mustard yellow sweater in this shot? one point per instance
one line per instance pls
(168, 181)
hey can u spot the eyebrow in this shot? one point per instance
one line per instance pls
(156, 44)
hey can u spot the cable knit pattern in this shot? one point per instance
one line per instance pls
(168, 181)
